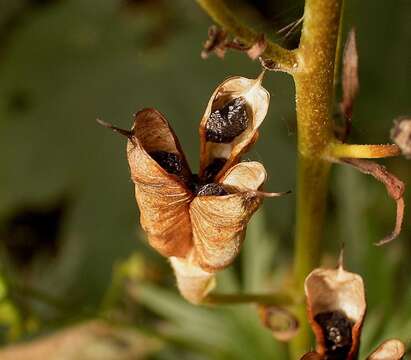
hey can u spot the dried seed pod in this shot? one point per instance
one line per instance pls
(336, 309)
(219, 222)
(401, 135)
(193, 282)
(282, 323)
(231, 121)
(158, 168)
(389, 350)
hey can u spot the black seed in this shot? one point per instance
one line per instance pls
(212, 189)
(193, 183)
(227, 123)
(170, 162)
(336, 328)
(213, 168)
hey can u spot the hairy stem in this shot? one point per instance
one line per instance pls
(285, 59)
(314, 100)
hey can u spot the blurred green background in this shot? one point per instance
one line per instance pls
(67, 209)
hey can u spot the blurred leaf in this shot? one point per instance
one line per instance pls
(258, 254)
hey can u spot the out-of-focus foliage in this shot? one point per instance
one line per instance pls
(65, 62)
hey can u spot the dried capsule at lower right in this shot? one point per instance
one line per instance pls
(336, 308)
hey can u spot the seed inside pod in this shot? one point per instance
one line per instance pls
(336, 328)
(212, 189)
(170, 162)
(213, 168)
(225, 124)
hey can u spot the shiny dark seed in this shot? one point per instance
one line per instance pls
(225, 124)
(212, 189)
(213, 168)
(337, 330)
(170, 162)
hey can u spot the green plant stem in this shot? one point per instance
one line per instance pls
(312, 65)
(314, 99)
(285, 59)
(277, 299)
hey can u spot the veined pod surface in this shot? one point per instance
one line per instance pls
(219, 222)
(192, 281)
(162, 197)
(336, 308)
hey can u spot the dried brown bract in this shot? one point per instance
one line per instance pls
(350, 81)
(216, 42)
(257, 49)
(395, 189)
(199, 221)
(401, 135)
(389, 350)
(336, 308)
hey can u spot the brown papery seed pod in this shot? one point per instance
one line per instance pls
(231, 120)
(336, 308)
(389, 350)
(193, 282)
(157, 166)
(219, 222)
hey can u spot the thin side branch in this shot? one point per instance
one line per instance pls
(340, 150)
(275, 299)
(284, 59)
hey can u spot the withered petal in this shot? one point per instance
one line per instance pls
(336, 291)
(193, 282)
(219, 222)
(163, 198)
(257, 101)
(392, 349)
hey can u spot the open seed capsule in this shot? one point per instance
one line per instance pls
(336, 309)
(230, 123)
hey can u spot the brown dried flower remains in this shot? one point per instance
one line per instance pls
(336, 309)
(199, 221)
